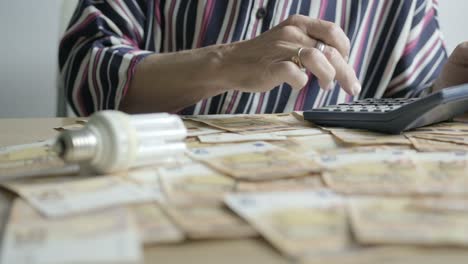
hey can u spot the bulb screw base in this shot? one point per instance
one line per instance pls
(76, 146)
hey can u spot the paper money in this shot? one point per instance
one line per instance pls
(242, 123)
(298, 126)
(365, 149)
(299, 224)
(427, 145)
(209, 222)
(105, 237)
(6, 200)
(386, 172)
(310, 146)
(446, 128)
(277, 125)
(198, 129)
(25, 151)
(293, 120)
(153, 225)
(357, 255)
(30, 160)
(293, 184)
(383, 172)
(45, 166)
(447, 172)
(256, 161)
(314, 146)
(298, 132)
(148, 180)
(299, 115)
(398, 221)
(364, 137)
(295, 146)
(195, 143)
(393, 255)
(232, 137)
(195, 183)
(456, 139)
(442, 204)
(73, 197)
(453, 134)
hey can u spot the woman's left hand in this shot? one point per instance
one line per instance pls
(455, 70)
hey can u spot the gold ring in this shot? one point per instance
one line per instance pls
(297, 59)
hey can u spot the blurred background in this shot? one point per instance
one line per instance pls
(31, 30)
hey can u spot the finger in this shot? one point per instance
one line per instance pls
(460, 54)
(316, 62)
(331, 34)
(328, 32)
(345, 74)
(288, 72)
(293, 34)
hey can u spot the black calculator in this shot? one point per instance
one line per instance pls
(394, 115)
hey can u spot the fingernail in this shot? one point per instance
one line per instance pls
(330, 86)
(356, 89)
(346, 58)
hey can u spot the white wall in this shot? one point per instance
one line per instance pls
(30, 32)
(454, 21)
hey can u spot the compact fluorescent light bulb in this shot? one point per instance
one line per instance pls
(112, 141)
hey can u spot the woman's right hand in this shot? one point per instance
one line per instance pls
(160, 82)
(259, 64)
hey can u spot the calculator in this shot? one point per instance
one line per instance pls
(394, 115)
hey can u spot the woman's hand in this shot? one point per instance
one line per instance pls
(259, 64)
(455, 71)
(167, 82)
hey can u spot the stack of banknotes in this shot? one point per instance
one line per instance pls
(316, 194)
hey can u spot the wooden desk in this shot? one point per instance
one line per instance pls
(18, 131)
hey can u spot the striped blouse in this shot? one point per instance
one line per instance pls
(397, 49)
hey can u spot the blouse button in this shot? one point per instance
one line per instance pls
(261, 13)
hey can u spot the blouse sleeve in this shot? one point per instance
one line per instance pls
(423, 56)
(99, 51)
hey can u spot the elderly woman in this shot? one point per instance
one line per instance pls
(252, 56)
